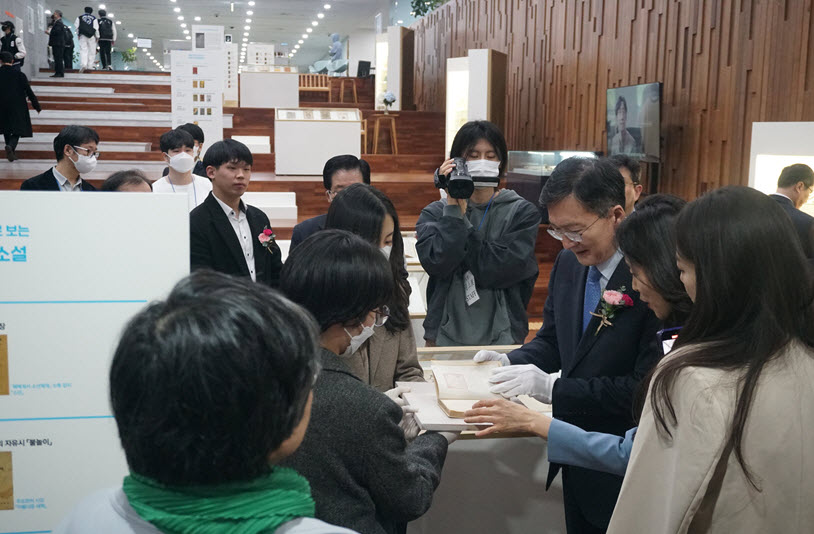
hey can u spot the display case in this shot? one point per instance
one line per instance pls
(527, 172)
(305, 138)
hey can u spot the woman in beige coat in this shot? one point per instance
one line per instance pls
(726, 437)
(389, 354)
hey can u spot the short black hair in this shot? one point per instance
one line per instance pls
(206, 384)
(6, 57)
(7, 24)
(88, 10)
(623, 160)
(595, 183)
(345, 162)
(194, 130)
(176, 139)
(337, 276)
(102, 13)
(792, 174)
(472, 132)
(227, 151)
(121, 178)
(620, 101)
(73, 135)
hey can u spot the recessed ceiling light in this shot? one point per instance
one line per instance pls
(327, 6)
(248, 21)
(47, 11)
(290, 55)
(399, 22)
(180, 17)
(101, 6)
(135, 40)
(186, 32)
(188, 37)
(300, 41)
(110, 15)
(309, 30)
(245, 39)
(183, 24)
(197, 19)
(130, 35)
(177, 9)
(119, 22)
(251, 3)
(314, 23)
(143, 49)
(247, 28)
(320, 15)
(250, 13)
(296, 47)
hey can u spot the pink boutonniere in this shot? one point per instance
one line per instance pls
(610, 304)
(266, 239)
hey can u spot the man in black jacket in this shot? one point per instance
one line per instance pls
(226, 235)
(75, 149)
(107, 37)
(15, 122)
(601, 365)
(57, 42)
(794, 187)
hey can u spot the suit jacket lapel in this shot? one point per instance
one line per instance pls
(224, 228)
(621, 277)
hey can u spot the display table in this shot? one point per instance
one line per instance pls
(269, 89)
(305, 138)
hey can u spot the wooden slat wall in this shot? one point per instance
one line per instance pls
(724, 65)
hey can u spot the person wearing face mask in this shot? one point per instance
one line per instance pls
(197, 152)
(479, 253)
(75, 149)
(389, 355)
(177, 148)
(364, 474)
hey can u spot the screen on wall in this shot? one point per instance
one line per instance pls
(633, 121)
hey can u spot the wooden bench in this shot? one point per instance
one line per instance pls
(316, 83)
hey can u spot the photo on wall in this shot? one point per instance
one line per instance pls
(633, 121)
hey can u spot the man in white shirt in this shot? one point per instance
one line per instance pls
(75, 149)
(226, 235)
(177, 145)
(88, 29)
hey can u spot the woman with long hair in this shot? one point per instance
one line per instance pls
(725, 438)
(389, 355)
(646, 239)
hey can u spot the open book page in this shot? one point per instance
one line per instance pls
(464, 380)
(430, 416)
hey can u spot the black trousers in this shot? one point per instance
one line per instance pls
(104, 53)
(575, 520)
(69, 57)
(11, 140)
(59, 60)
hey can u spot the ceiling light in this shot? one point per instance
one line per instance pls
(300, 41)
(296, 47)
(309, 30)
(320, 15)
(186, 32)
(188, 37)
(245, 39)
(143, 49)
(101, 6)
(197, 19)
(245, 34)
(247, 28)
(173, 1)
(305, 36)
(110, 15)
(399, 22)
(130, 35)
(180, 17)
(327, 6)
(251, 3)
(248, 21)
(314, 23)
(177, 9)
(250, 13)
(290, 55)
(183, 24)
(135, 40)
(47, 11)
(119, 22)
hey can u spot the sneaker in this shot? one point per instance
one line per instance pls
(109, 67)
(81, 70)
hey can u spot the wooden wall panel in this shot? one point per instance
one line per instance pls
(724, 64)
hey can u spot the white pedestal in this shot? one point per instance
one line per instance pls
(269, 90)
(303, 147)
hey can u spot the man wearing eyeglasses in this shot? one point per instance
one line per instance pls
(75, 149)
(600, 366)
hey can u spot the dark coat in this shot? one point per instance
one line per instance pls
(306, 229)
(14, 89)
(57, 35)
(803, 223)
(363, 474)
(48, 182)
(214, 245)
(600, 372)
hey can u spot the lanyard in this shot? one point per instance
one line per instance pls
(487, 210)
(194, 191)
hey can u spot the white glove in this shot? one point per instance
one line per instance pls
(523, 380)
(490, 355)
(395, 395)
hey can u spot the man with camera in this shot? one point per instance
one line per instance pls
(477, 246)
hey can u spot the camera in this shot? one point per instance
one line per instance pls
(458, 183)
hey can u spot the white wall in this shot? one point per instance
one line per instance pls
(361, 47)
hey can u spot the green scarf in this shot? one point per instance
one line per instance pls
(259, 506)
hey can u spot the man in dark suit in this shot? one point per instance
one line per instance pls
(226, 235)
(339, 172)
(58, 42)
(75, 149)
(601, 366)
(794, 187)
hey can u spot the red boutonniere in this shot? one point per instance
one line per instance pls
(612, 302)
(267, 239)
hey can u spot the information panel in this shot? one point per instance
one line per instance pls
(74, 269)
(197, 91)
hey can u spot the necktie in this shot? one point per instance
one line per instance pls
(592, 291)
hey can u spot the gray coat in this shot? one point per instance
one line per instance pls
(363, 474)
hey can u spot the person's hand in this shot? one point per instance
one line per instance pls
(507, 416)
(446, 167)
(452, 437)
(409, 424)
(395, 395)
(490, 355)
(523, 380)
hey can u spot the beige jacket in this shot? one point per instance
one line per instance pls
(679, 485)
(386, 358)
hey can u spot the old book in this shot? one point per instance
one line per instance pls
(460, 384)
(6, 482)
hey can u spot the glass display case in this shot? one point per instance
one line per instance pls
(527, 172)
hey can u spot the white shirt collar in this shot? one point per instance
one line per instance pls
(228, 210)
(607, 267)
(64, 183)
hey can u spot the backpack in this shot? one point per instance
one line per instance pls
(106, 29)
(68, 36)
(86, 25)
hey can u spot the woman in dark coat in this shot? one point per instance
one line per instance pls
(14, 119)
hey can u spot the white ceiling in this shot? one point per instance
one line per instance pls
(273, 21)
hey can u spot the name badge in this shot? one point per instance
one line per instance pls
(469, 289)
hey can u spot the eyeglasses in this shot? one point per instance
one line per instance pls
(381, 316)
(89, 153)
(576, 237)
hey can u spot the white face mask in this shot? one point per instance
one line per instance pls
(84, 164)
(181, 162)
(386, 251)
(483, 168)
(357, 341)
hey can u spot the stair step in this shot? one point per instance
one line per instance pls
(44, 142)
(152, 169)
(110, 118)
(71, 78)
